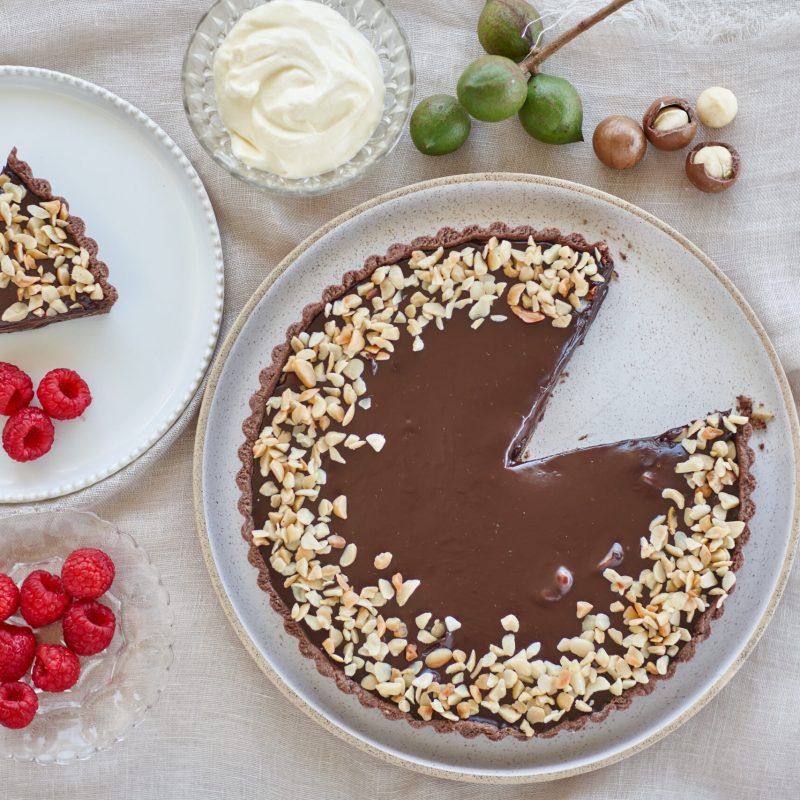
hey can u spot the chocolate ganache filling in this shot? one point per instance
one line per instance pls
(453, 500)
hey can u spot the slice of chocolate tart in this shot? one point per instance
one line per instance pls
(49, 270)
(418, 558)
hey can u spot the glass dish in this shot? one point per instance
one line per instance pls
(117, 686)
(373, 19)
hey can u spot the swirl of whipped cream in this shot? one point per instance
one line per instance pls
(299, 89)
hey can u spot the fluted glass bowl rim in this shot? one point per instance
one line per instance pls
(270, 182)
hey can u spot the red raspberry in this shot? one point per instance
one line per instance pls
(16, 389)
(9, 597)
(88, 627)
(56, 669)
(87, 573)
(28, 434)
(42, 598)
(17, 648)
(64, 394)
(18, 704)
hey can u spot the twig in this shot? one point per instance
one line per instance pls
(531, 64)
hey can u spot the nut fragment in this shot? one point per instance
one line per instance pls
(717, 106)
(16, 312)
(669, 123)
(376, 441)
(582, 608)
(510, 623)
(348, 556)
(405, 591)
(422, 620)
(527, 316)
(339, 507)
(82, 275)
(305, 372)
(438, 658)
(713, 166)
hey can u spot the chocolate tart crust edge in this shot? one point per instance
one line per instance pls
(76, 227)
(268, 379)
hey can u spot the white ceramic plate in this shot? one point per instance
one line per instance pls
(145, 205)
(640, 372)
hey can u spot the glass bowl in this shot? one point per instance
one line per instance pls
(117, 686)
(373, 19)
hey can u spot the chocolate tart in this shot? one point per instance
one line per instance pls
(49, 270)
(418, 557)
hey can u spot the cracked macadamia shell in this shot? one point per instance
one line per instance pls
(676, 138)
(700, 178)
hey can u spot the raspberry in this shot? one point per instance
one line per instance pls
(56, 669)
(9, 597)
(88, 627)
(18, 704)
(28, 434)
(63, 394)
(16, 389)
(42, 598)
(87, 573)
(17, 648)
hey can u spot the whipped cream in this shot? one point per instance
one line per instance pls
(299, 89)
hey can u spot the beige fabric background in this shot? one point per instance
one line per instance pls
(222, 730)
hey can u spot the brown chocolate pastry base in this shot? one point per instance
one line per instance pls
(494, 728)
(39, 190)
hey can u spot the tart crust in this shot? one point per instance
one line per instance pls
(269, 378)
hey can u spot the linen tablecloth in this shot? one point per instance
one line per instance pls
(222, 730)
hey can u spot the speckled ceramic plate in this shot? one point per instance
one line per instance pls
(145, 205)
(631, 378)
